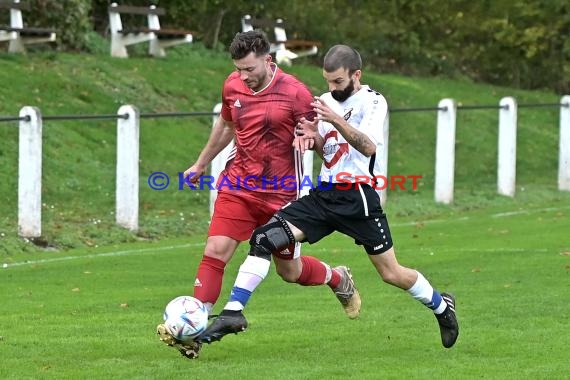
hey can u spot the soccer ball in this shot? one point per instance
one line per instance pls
(185, 318)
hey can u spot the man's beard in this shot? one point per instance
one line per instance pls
(342, 95)
(256, 84)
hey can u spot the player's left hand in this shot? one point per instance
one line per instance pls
(324, 112)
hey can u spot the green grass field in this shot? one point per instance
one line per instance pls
(91, 314)
(83, 302)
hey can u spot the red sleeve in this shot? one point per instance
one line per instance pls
(226, 112)
(303, 100)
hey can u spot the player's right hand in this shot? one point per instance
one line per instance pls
(194, 172)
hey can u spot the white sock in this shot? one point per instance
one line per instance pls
(424, 292)
(253, 270)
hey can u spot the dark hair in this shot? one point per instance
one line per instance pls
(342, 56)
(247, 42)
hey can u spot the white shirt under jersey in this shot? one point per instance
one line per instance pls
(366, 111)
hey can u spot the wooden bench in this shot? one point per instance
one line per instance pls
(158, 38)
(17, 34)
(285, 50)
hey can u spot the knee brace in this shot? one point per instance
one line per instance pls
(273, 236)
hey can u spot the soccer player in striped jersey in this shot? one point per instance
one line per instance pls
(261, 106)
(347, 133)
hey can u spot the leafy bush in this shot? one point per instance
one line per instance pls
(71, 19)
(522, 44)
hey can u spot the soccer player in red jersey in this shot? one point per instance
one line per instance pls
(261, 105)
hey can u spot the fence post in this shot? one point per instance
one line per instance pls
(30, 173)
(564, 151)
(127, 192)
(384, 158)
(219, 162)
(507, 161)
(445, 151)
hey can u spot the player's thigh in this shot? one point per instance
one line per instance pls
(232, 217)
(307, 216)
(373, 232)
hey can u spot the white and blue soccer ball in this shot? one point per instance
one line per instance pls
(185, 318)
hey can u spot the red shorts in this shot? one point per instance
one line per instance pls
(236, 215)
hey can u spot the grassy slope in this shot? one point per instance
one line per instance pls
(79, 156)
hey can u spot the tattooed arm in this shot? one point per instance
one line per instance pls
(358, 140)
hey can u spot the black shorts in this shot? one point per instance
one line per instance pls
(355, 212)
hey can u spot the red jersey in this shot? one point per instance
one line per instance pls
(264, 130)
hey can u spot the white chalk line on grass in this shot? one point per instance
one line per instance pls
(526, 212)
(432, 221)
(497, 215)
(486, 250)
(105, 254)
(153, 250)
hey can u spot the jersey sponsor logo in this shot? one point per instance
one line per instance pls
(237, 104)
(342, 149)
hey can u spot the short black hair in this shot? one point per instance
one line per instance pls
(248, 42)
(342, 56)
